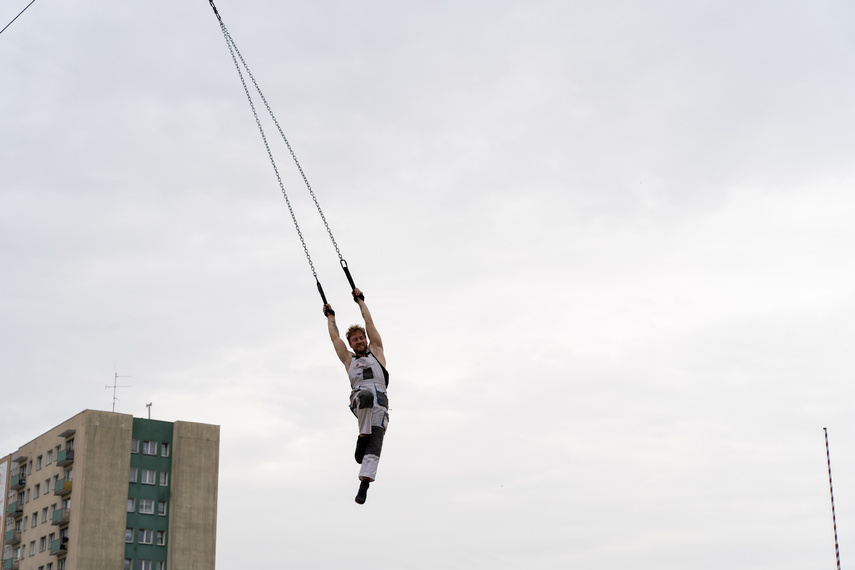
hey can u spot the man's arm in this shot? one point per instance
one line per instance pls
(340, 348)
(375, 342)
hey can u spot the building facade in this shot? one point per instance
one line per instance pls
(105, 491)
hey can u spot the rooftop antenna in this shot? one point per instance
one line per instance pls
(116, 385)
(831, 490)
(149, 409)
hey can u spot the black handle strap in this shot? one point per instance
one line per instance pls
(350, 280)
(347, 273)
(321, 291)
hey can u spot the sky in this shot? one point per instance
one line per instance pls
(607, 245)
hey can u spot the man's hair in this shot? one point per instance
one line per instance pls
(354, 329)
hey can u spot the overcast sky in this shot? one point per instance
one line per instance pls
(608, 245)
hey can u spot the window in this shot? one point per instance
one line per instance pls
(49, 566)
(127, 565)
(26, 518)
(132, 505)
(149, 447)
(50, 538)
(145, 536)
(60, 564)
(49, 457)
(39, 463)
(146, 506)
(35, 518)
(29, 468)
(132, 478)
(160, 565)
(161, 538)
(37, 491)
(69, 444)
(47, 486)
(161, 508)
(143, 564)
(129, 535)
(164, 449)
(44, 515)
(135, 446)
(28, 496)
(148, 476)
(42, 542)
(164, 478)
(33, 548)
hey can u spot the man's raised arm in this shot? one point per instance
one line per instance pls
(340, 348)
(376, 343)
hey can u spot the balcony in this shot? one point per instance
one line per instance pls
(62, 487)
(61, 517)
(59, 547)
(18, 480)
(65, 457)
(15, 509)
(11, 564)
(13, 537)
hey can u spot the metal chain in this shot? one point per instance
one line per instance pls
(16, 17)
(831, 490)
(294, 156)
(235, 53)
(237, 56)
(216, 12)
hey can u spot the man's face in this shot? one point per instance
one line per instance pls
(358, 342)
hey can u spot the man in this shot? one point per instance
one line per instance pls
(366, 368)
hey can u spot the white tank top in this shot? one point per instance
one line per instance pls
(366, 372)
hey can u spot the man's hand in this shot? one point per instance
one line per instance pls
(328, 310)
(358, 296)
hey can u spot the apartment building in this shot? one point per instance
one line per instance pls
(105, 491)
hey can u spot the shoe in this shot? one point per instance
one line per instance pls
(363, 491)
(361, 446)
